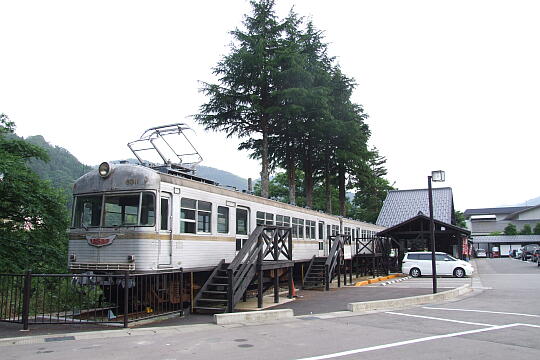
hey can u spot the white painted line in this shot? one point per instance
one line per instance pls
(530, 325)
(407, 342)
(440, 319)
(482, 311)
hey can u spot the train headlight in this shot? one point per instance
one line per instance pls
(72, 257)
(104, 169)
(131, 258)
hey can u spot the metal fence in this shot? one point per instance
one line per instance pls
(89, 298)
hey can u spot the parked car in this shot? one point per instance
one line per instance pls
(518, 254)
(419, 263)
(528, 250)
(536, 255)
(481, 253)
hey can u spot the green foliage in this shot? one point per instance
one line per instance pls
(33, 217)
(460, 219)
(495, 233)
(536, 230)
(526, 230)
(61, 169)
(243, 101)
(279, 88)
(510, 229)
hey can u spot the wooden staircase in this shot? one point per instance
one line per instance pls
(315, 276)
(212, 297)
(228, 282)
(323, 269)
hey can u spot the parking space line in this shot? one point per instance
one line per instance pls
(530, 325)
(407, 342)
(482, 311)
(440, 319)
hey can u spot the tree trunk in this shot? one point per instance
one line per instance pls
(265, 173)
(341, 186)
(291, 176)
(308, 179)
(327, 186)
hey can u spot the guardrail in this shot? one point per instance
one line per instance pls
(117, 299)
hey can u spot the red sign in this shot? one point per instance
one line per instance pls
(100, 240)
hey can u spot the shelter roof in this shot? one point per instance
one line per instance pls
(401, 205)
(422, 222)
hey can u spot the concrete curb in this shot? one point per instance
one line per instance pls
(252, 316)
(408, 301)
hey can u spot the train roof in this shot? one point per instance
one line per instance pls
(138, 177)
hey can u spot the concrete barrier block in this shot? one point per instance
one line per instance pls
(408, 301)
(252, 316)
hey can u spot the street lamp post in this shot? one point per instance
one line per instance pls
(437, 176)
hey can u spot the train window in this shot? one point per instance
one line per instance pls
(295, 226)
(287, 221)
(279, 220)
(164, 214)
(188, 208)
(223, 220)
(260, 218)
(265, 218)
(312, 225)
(148, 212)
(321, 231)
(87, 211)
(204, 216)
(301, 228)
(335, 230)
(328, 231)
(121, 210)
(310, 229)
(241, 221)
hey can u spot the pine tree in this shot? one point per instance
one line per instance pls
(241, 104)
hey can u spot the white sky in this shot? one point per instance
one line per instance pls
(453, 85)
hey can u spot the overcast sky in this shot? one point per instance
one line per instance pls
(451, 85)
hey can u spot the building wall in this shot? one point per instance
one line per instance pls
(530, 215)
(488, 227)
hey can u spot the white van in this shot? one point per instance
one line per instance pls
(419, 263)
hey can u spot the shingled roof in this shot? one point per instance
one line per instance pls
(402, 205)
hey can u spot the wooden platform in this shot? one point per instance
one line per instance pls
(271, 264)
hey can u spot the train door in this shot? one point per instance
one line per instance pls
(242, 226)
(321, 237)
(327, 242)
(165, 230)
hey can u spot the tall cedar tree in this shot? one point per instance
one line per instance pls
(243, 101)
(350, 144)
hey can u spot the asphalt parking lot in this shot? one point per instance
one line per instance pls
(500, 320)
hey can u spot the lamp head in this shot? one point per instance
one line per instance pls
(438, 176)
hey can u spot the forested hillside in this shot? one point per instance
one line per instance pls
(61, 170)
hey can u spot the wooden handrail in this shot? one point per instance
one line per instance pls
(333, 259)
(242, 269)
